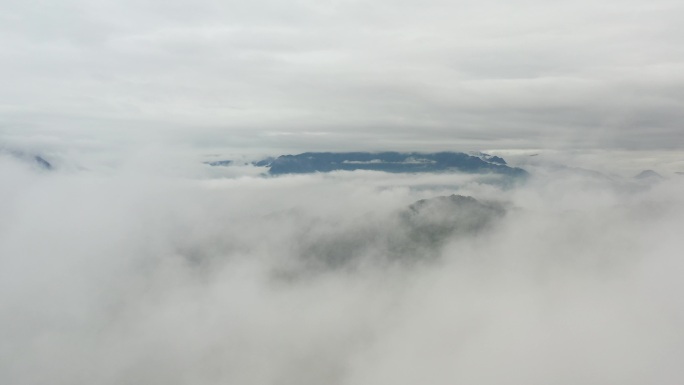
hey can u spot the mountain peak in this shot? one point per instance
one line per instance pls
(649, 174)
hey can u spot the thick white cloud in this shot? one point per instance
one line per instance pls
(131, 276)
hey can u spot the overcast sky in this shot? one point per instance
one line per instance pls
(132, 262)
(305, 74)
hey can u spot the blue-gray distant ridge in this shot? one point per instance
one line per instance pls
(220, 163)
(395, 162)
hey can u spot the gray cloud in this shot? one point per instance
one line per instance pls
(580, 75)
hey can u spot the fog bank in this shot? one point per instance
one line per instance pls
(128, 275)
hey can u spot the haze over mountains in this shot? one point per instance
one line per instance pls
(347, 192)
(407, 162)
(185, 273)
(34, 159)
(389, 162)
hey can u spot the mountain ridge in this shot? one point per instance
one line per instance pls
(391, 161)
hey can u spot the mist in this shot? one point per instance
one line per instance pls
(127, 258)
(125, 274)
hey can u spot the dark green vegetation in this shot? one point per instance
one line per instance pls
(416, 234)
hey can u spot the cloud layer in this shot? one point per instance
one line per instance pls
(137, 277)
(306, 75)
(132, 261)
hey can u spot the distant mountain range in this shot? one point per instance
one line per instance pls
(395, 162)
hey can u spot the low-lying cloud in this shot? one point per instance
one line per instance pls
(135, 277)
